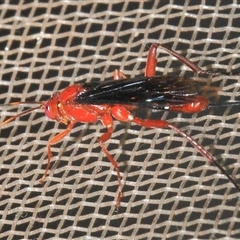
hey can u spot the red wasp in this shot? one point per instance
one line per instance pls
(90, 102)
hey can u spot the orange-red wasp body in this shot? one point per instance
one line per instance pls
(90, 102)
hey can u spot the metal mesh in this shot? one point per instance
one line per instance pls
(170, 190)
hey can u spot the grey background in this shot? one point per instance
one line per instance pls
(170, 190)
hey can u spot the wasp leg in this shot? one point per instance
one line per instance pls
(52, 141)
(108, 123)
(150, 70)
(118, 74)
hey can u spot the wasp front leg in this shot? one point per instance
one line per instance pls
(53, 141)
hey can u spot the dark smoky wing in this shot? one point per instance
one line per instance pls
(154, 92)
(110, 91)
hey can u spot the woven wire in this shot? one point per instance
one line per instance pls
(169, 190)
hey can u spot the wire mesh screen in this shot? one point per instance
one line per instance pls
(170, 191)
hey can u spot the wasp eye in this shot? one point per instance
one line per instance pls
(49, 110)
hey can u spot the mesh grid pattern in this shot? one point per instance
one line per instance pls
(170, 191)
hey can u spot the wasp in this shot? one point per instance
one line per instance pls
(118, 98)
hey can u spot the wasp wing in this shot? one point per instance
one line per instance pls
(150, 92)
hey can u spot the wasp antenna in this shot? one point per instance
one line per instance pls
(20, 103)
(20, 114)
